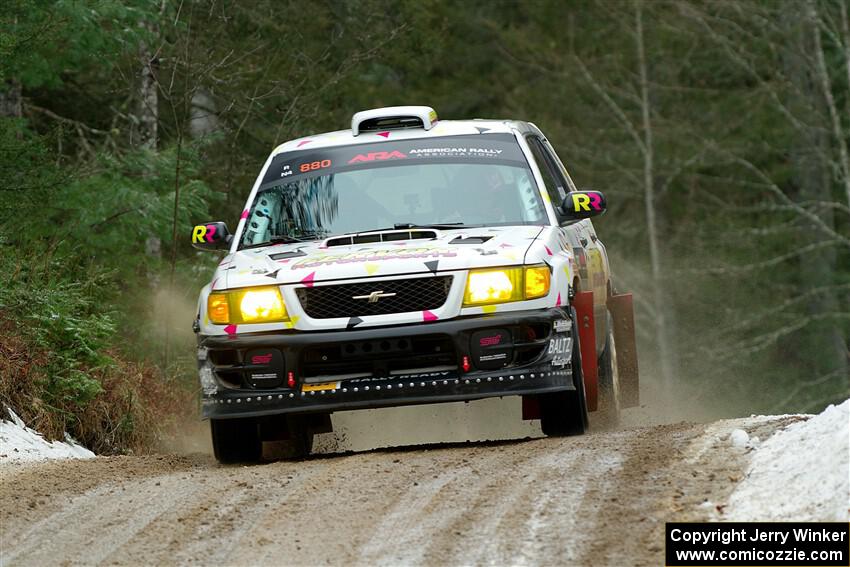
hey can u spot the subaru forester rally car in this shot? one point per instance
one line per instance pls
(409, 260)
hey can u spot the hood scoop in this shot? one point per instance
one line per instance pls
(470, 240)
(388, 236)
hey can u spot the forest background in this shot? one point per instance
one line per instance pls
(719, 132)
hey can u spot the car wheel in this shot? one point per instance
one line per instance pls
(299, 443)
(565, 413)
(236, 440)
(607, 415)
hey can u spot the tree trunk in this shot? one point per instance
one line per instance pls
(822, 73)
(148, 100)
(10, 99)
(821, 341)
(660, 293)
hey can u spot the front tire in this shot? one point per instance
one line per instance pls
(236, 440)
(607, 415)
(298, 442)
(564, 414)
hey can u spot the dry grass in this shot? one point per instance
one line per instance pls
(135, 410)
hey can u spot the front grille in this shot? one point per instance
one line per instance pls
(416, 294)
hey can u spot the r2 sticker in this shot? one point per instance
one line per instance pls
(560, 345)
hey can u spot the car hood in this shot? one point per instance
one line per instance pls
(310, 262)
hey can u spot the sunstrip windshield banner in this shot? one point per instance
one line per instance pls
(474, 148)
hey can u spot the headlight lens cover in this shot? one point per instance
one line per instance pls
(502, 285)
(537, 282)
(250, 305)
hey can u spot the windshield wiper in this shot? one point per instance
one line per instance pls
(278, 239)
(439, 225)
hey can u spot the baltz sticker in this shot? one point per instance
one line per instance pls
(560, 345)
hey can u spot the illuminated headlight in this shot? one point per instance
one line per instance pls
(251, 305)
(503, 285)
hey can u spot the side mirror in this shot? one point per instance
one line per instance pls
(583, 204)
(211, 236)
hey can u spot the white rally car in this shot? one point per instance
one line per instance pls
(409, 261)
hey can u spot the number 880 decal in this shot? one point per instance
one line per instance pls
(314, 165)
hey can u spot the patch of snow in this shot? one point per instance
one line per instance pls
(739, 438)
(19, 443)
(801, 473)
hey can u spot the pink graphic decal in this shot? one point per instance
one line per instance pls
(303, 142)
(230, 330)
(506, 246)
(244, 214)
(428, 316)
(285, 261)
(558, 300)
(261, 358)
(213, 284)
(308, 280)
(490, 341)
(384, 134)
(210, 232)
(548, 251)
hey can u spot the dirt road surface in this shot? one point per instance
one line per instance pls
(600, 499)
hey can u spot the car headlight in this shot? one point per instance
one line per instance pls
(503, 285)
(250, 305)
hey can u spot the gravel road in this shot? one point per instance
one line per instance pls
(600, 499)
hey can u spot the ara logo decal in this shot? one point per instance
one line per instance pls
(377, 156)
(203, 233)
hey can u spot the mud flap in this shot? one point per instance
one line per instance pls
(531, 408)
(583, 304)
(622, 312)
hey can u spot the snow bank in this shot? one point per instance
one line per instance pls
(801, 473)
(19, 443)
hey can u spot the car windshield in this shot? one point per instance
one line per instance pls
(457, 180)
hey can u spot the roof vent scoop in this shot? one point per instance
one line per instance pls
(393, 118)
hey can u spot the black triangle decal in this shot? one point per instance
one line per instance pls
(353, 322)
(482, 130)
(432, 265)
(272, 275)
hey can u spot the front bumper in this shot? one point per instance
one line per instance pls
(515, 353)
